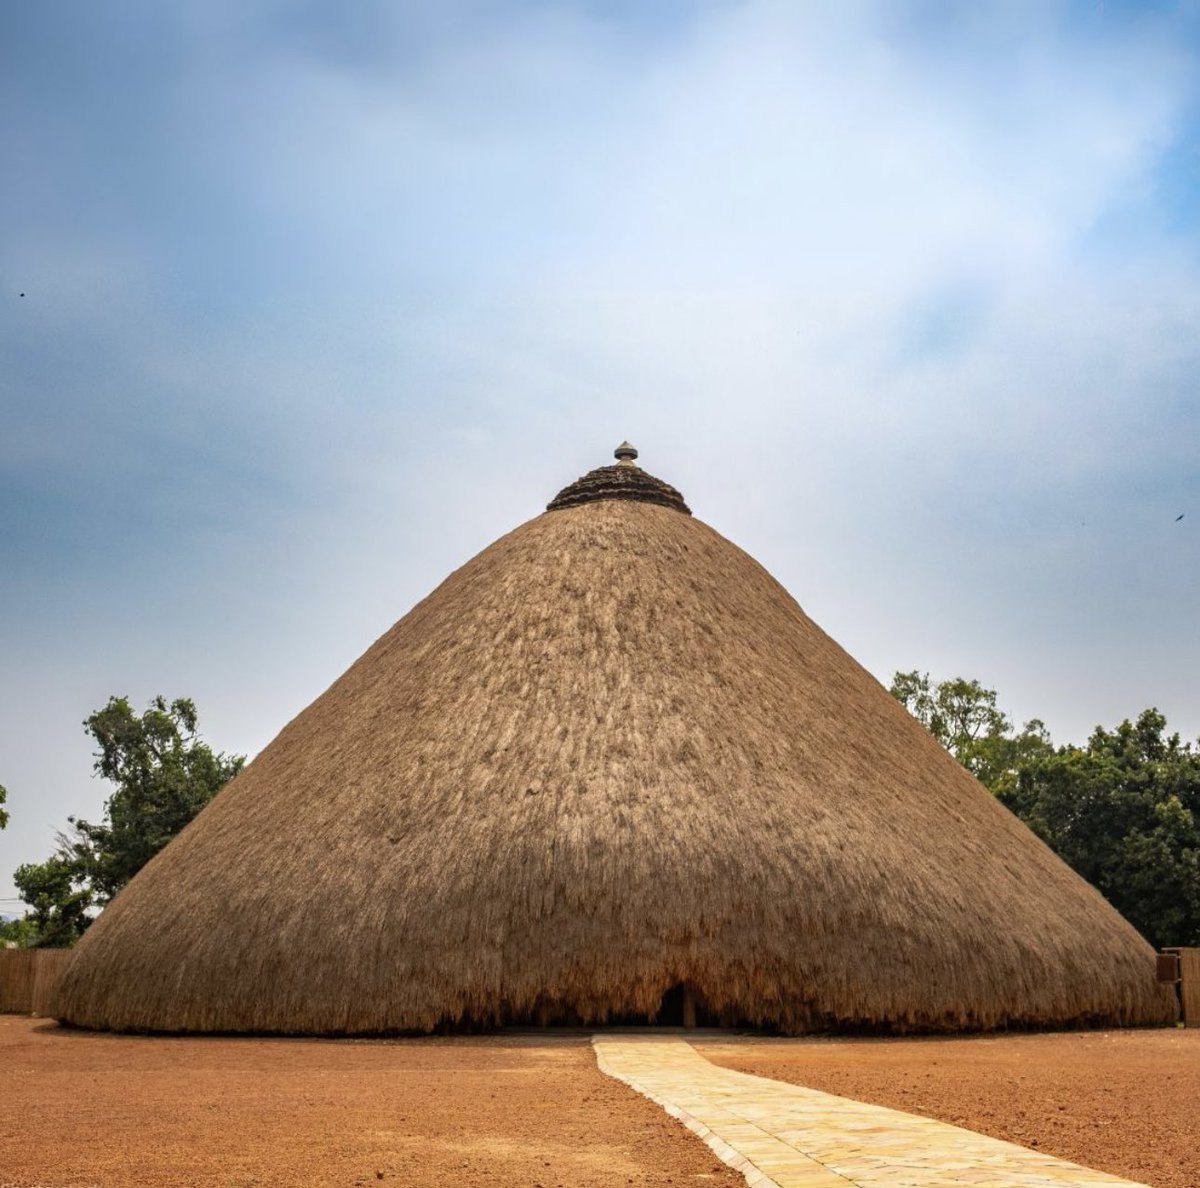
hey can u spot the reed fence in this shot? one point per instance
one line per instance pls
(1182, 967)
(29, 979)
(1189, 985)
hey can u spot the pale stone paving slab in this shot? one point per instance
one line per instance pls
(785, 1136)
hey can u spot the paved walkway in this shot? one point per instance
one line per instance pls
(785, 1136)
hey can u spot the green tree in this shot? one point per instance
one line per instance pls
(3, 801)
(58, 899)
(1124, 812)
(964, 717)
(163, 773)
(21, 933)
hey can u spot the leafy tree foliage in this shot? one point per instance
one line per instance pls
(1124, 811)
(964, 717)
(3, 812)
(58, 899)
(19, 933)
(163, 775)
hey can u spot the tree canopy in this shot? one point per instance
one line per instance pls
(58, 900)
(1123, 811)
(3, 812)
(964, 717)
(163, 775)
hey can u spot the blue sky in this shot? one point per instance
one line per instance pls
(319, 300)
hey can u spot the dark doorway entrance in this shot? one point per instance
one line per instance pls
(682, 1006)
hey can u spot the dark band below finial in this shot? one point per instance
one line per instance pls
(626, 480)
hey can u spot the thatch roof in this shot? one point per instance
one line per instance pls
(608, 755)
(623, 481)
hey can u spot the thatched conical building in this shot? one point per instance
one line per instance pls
(607, 759)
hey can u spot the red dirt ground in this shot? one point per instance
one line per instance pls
(79, 1109)
(82, 1110)
(1125, 1102)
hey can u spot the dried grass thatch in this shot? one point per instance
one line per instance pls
(607, 756)
(29, 979)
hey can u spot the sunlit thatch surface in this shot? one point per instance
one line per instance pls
(608, 755)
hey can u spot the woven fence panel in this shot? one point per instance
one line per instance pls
(29, 979)
(1189, 985)
(17, 968)
(46, 978)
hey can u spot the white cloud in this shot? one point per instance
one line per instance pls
(892, 303)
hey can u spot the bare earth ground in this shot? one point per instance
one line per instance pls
(80, 1109)
(1125, 1102)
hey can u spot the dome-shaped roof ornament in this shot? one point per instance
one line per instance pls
(626, 480)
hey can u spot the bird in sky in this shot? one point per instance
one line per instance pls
(1180, 517)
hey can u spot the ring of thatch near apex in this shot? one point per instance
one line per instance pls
(626, 481)
(607, 769)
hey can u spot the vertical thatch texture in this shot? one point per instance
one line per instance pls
(29, 979)
(608, 755)
(1189, 985)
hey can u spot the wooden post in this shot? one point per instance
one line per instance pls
(1189, 985)
(689, 1007)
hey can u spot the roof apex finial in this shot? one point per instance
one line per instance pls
(626, 481)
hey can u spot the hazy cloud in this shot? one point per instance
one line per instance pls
(318, 303)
